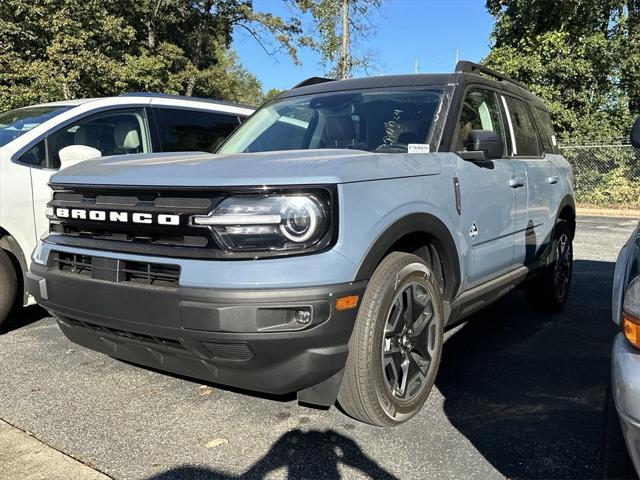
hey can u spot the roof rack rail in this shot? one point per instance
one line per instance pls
(313, 81)
(464, 66)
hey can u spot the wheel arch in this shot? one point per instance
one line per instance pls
(567, 212)
(414, 230)
(10, 245)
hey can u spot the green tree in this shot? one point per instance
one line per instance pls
(580, 56)
(61, 49)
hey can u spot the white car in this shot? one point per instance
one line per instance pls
(37, 141)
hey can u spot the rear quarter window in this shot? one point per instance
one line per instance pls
(545, 129)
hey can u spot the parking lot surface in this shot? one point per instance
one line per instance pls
(519, 394)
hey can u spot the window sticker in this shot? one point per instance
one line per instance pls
(418, 148)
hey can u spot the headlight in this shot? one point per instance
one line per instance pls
(631, 313)
(269, 222)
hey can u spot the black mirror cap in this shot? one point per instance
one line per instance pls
(635, 133)
(485, 141)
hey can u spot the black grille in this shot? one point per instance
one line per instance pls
(125, 234)
(229, 351)
(117, 271)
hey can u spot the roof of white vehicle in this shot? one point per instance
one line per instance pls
(155, 96)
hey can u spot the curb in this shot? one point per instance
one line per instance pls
(606, 212)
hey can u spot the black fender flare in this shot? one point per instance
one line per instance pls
(435, 231)
(568, 201)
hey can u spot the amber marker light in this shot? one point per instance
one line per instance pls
(347, 303)
(630, 317)
(631, 329)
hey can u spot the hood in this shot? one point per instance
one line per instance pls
(298, 167)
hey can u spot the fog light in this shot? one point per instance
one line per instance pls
(631, 329)
(303, 316)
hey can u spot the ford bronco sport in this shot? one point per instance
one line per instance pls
(326, 247)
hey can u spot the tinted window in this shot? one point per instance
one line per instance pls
(192, 130)
(18, 122)
(35, 156)
(479, 112)
(371, 120)
(545, 128)
(524, 130)
(113, 133)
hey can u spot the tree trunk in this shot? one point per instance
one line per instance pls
(151, 36)
(190, 86)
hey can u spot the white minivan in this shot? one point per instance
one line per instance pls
(37, 141)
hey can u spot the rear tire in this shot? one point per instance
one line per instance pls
(8, 286)
(550, 290)
(396, 344)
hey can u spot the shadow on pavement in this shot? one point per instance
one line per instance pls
(311, 454)
(22, 317)
(530, 390)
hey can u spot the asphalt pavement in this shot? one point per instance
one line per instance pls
(519, 394)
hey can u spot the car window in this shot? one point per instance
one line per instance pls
(480, 111)
(545, 129)
(35, 156)
(114, 133)
(15, 123)
(524, 129)
(370, 120)
(193, 130)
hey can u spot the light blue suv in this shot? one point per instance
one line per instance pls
(326, 247)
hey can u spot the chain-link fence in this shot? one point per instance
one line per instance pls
(606, 174)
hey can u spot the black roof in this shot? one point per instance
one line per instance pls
(466, 73)
(183, 97)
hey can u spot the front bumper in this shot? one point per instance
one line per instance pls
(626, 393)
(248, 339)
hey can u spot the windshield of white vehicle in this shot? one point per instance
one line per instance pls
(18, 122)
(372, 120)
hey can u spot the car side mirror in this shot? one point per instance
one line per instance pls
(483, 145)
(77, 153)
(635, 133)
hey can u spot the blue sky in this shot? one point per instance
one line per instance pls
(428, 31)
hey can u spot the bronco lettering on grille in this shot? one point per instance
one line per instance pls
(116, 216)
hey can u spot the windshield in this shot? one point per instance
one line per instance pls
(372, 120)
(18, 122)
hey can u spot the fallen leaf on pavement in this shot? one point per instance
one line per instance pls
(204, 391)
(216, 442)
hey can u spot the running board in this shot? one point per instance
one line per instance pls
(479, 297)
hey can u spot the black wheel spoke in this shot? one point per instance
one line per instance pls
(416, 373)
(394, 322)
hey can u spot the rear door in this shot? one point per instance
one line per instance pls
(487, 205)
(543, 185)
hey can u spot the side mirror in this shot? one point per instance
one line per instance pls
(77, 153)
(635, 133)
(483, 145)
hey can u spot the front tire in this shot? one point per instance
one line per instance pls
(550, 290)
(8, 286)
(396, 344)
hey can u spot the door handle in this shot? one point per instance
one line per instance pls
(516, 182)
(553, 180)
